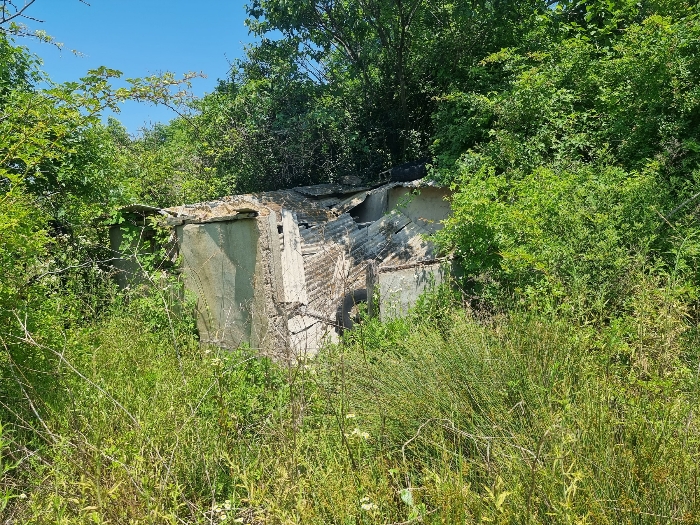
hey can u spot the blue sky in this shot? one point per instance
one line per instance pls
(141, 37)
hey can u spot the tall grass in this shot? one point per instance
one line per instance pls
(127, 425)
(443, 417)
(532, 420)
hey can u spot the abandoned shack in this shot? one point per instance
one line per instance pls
(282, 271)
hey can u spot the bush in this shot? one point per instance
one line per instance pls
(559, 239)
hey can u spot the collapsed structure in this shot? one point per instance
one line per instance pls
(282, 271)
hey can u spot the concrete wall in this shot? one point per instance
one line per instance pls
(220, 262)
(393, 291)
(426, 208)
(128, 270)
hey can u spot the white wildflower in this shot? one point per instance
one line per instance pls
(360, 433)
(367, 505)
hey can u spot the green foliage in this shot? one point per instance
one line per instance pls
(270, 126)
(569, 179)
(573, 101)
(59, 173)
(390, 59)
(22, 238)
(17, 68)
(564, 393)
(523, 419)
(331, 89)
(529, 420)
(580, 244)
(147, 423)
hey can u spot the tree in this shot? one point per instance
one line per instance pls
(349, 88)
(582, 170)
(59, 172)
(13, 15)
(403, 53)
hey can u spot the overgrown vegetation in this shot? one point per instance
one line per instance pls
(557, 381)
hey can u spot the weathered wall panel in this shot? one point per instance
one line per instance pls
(398, 288)
(426, 208)
(220, 261)
(293, 275)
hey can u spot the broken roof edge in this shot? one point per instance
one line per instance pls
(327, 189)
(425, 182)
(250, 205)
(144, 209)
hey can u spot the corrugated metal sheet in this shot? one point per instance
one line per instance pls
(388, 224)
(320, 269)
(410, 245)
(335, 262)
(331, 274)
(349, 203)
(337, 231)
(372, 241)
(322, 290)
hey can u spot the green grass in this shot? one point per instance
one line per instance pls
(443, 417)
